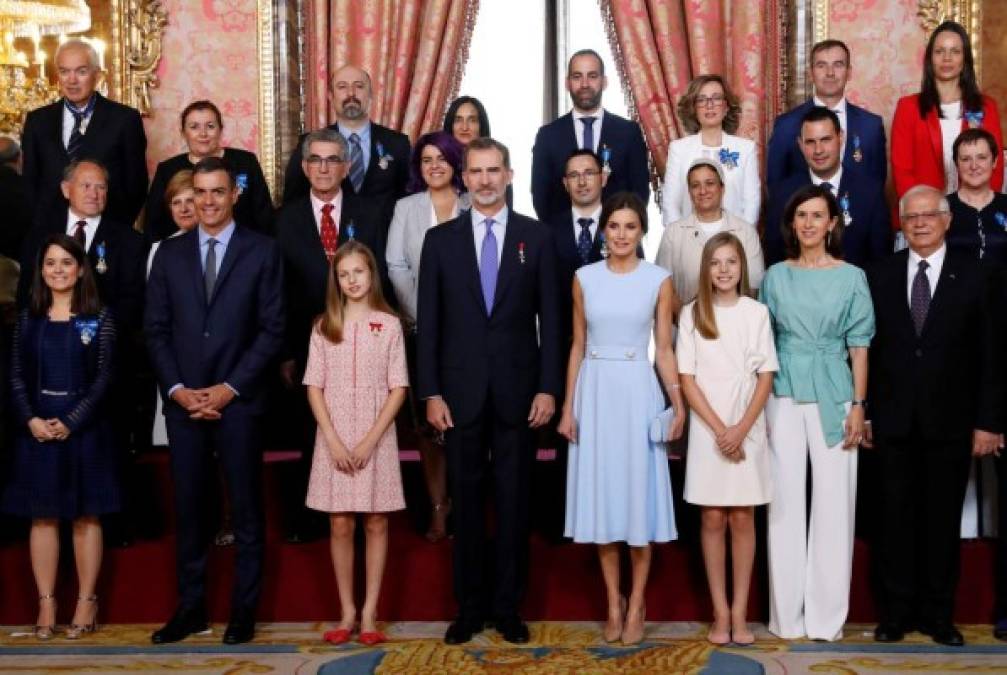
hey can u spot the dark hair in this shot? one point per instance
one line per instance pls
(484, 120)
(213, 165)
(201, 105)
(820, 113)
(828, 44)
(972, 98)
(970, 136)
(582, 152)
(834, 243)
(449, 147)
(486, 143)
(586, 52)
(85, 293)
(623, 200)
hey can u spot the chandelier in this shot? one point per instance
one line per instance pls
(23, 82)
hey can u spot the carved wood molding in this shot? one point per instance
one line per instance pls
(137, 31)
(968, 13)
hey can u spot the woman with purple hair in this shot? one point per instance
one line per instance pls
(437, 196)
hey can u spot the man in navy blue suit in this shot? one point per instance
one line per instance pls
(864, 148)
(616, 140)
(214, 322)
(866, 229)
(489, 370)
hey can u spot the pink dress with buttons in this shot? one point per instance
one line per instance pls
(356, 377)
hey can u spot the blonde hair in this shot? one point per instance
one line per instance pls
(181, 181)
(330, 323)
(687, 105)
(702, 309)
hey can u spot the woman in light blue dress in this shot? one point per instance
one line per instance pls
(618, 485)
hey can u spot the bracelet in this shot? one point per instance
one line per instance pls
(675, 385)
(862, 403)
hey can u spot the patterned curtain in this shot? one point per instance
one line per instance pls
(414, 50)
(660, 45)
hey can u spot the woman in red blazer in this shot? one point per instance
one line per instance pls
(926, 124)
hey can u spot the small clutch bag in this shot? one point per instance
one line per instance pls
(661, 424)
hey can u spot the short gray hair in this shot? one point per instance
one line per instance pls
(943, 205)
(70, 169)
(77, 43)
(325, 135)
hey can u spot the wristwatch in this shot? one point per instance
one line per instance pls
(862, 403)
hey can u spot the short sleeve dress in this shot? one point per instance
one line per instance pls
(356, 377)
(726, 369)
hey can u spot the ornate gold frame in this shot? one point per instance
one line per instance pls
(135, 49)
(267, 96)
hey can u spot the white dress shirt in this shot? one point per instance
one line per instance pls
(832, 180)
(936, 261)
(499, 231)
(316, 210)
(595, 216)
(951, 126)
(90, 227)
(578, 126)
(68, 122)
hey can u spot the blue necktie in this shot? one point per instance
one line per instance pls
(827, 185)
(588, 133)
(488, 265)
(584, 239)
(356, 163)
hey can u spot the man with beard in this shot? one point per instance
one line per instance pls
(378, 163)
(617, 141)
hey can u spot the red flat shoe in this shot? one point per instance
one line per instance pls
(338, 636)
(371, 638)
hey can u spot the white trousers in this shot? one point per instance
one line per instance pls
(809, 566)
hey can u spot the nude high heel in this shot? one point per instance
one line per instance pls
(46, 632)
(75, 631)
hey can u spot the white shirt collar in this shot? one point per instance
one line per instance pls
(499, 218)
(596, 114)
(72, 218)
(832, 180)
(593, 215)
(935, 259)
(317, 204)
(840, 108)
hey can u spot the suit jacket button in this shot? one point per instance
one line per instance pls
(206, 334)
(919, 353)
(631, 354)
(594, 354)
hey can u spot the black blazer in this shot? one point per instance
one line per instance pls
(17, 217)
(867, 238)
(464, 353)
(568, 261)
(254, 206)
(948, 381)
(555, 141)
(120, 286)
(306, 269)
(114, 137)
(784, 158)
(231, 339)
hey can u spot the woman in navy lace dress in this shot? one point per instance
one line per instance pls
(64, 459)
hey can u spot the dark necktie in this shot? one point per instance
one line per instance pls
(919, 298)
(76, 137)
(356, 163)
(827, 185)
(488, 264)
(210, 272)
(80, 234)
(588, 133)
(329, 233)
(584, 239)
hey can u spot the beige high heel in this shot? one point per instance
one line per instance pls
(612, 632)
(75, 631)
(633, 635)
(46, 632)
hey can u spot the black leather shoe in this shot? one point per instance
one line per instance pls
(943, 634)
(461, 631)
(240, 629)
(1000, 630)
(513, 629)
(181, 625)
(889, 631)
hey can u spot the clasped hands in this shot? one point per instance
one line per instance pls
(48, 430)
(203, 404)
(347, 460)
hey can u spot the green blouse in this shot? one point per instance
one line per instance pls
(817, 315)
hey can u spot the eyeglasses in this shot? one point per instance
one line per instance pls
(707, 101)
(588, 174)
(925, 215)
(317, 160)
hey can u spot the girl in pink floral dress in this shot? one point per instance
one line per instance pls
(356, 378)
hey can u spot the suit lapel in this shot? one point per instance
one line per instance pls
(567, 240)
(936, 139)
(898, 282)
(194, 258)
(231, 254)
(510, 259)
(944, 293)
(852, 131)
(466, 245)
(54, 125)
(97, 119)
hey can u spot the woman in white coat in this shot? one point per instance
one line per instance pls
(710, 112)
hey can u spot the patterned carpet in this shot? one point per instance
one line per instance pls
(555, 648)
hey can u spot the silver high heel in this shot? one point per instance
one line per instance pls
(75, 631)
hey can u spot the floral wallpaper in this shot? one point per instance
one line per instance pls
(210, 51)
(994, 55)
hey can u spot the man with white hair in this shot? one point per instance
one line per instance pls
(935, 399)
(83, 124)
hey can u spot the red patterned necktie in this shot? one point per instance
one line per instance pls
(330, 236)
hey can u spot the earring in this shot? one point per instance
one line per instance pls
(828, 238)
(604, 247)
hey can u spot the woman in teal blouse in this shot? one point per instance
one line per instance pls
(821, 312)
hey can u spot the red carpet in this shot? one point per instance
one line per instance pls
(138, 583)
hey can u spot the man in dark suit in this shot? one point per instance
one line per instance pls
(309, 229)
(83, 123)
(378, 166)
(864, 147)
(489, 370)
(616, 140)
(861, 197)
(936, 398)
(17, 217)
(214, 323)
